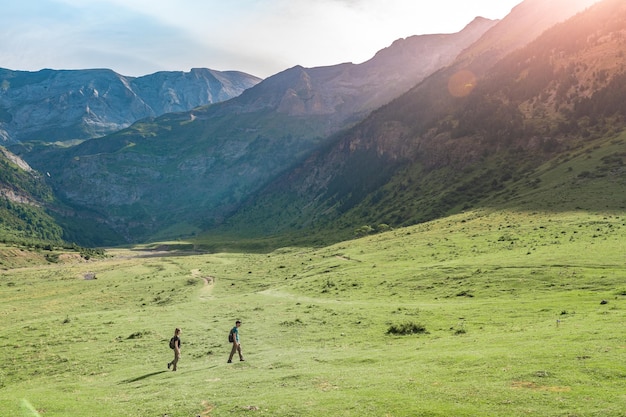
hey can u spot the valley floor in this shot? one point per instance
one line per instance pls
(484, 313)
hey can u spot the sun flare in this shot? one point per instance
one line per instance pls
(462, 83)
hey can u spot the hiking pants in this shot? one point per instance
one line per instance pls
(175, 361)
(236, 348)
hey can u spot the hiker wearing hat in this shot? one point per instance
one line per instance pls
(233, 337)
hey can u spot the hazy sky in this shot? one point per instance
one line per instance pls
(261, 37)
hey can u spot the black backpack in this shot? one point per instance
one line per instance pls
(173, 342)
(230, 336)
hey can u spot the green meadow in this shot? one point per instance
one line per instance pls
(480, 314)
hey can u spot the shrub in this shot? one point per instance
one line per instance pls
(296, 322)
(363, 231)
(406, 328)
(138, 335)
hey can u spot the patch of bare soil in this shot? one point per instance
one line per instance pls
(208, 281)
(71, 258)
(207, 409)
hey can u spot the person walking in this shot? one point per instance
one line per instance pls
(233, 337)
(175, 344)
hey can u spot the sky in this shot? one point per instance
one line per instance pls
(259, 37)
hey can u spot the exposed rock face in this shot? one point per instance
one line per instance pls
(10, 187)
(167, 92)
(16, 160)
(51, 105)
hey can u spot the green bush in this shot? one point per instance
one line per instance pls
(406, 328)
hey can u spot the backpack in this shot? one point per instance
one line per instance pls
(230, 337)
(173, 343)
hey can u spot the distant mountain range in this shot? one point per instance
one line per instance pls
(53, 105)
(431, 125)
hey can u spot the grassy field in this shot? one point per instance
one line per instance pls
(481, 314)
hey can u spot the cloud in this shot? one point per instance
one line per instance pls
(87, 35)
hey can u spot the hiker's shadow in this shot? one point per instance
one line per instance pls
(139, 378)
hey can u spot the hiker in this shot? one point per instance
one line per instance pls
(175, 344)
(233, 337)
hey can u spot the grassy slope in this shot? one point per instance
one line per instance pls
(590, 176)
(511, 302)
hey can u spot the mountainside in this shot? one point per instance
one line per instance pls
(23, 198)
(439, 148)
(185, 172)
(32, 216)
(53, 105)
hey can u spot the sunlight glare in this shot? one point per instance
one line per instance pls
(28, 407)
(462, 83)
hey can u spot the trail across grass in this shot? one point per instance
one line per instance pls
(519, 314)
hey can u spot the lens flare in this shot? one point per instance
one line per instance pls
(28, 407)
(462, 83)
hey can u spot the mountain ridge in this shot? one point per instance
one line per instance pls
(65, 105)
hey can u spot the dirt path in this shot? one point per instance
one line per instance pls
(209, 282)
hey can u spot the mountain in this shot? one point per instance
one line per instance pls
(52, 105)
(439, 149)
(182, 173)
